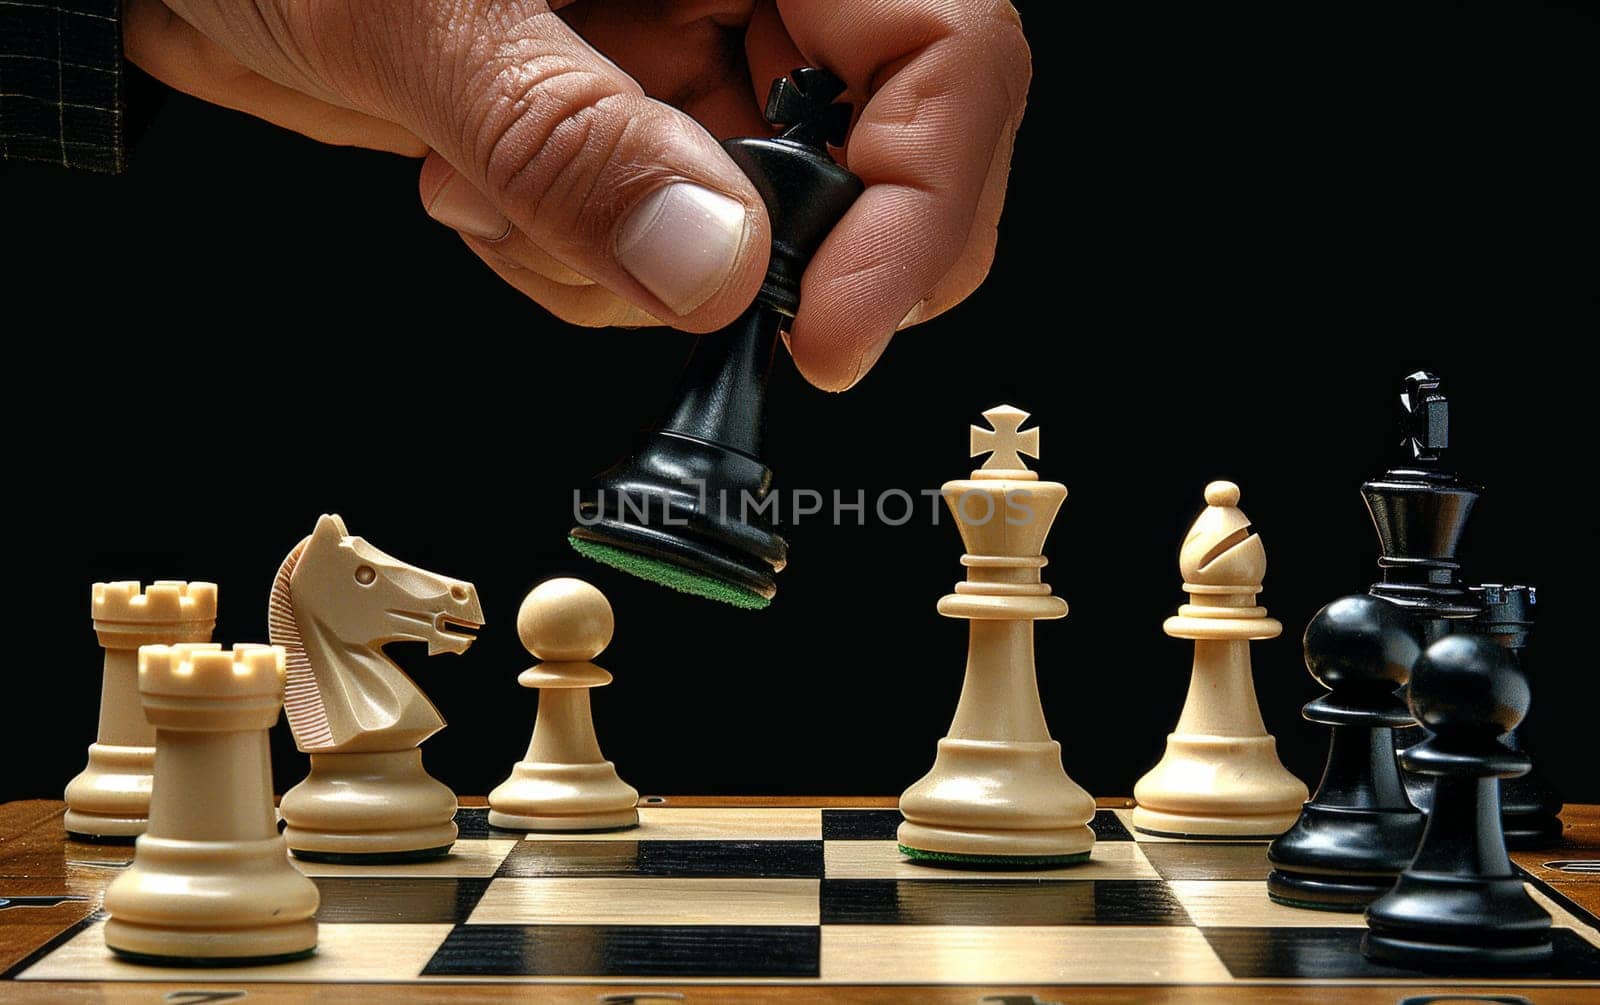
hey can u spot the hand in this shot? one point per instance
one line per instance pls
(613, 208)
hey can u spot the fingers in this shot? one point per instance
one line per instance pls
(619, 188)
(171, 50)
(569, 295)
(586, 304)
(972, 265)
(556, 166)
(946, 86)
(456, 202)
(696, 70)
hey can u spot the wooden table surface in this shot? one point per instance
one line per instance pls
(35, 861)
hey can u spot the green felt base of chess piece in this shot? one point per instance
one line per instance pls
(669, 575)
(992, 861)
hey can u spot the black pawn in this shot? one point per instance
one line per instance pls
(1359, 829)
(689, 508)
(1460, 903)
(1419, 508)
(1529, 805)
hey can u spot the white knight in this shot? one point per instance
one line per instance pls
(336, 602)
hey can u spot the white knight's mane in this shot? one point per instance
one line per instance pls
(302, 701)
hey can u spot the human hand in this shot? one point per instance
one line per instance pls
(609, 207)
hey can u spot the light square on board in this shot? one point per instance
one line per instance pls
(1206, 860)
(752, 859)
(1125, 818)
(344, 953)
(467, 859)
(882, 860)
(977, 902)
(399, 900)
(1563, 918)
(556, 900)
(1334, 954)
(1244, 904)
(1018, 955)
(707, 823)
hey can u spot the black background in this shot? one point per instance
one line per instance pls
(1227, 238)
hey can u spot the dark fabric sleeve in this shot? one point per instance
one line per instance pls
(61, 83)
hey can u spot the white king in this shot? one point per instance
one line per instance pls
(997, 790)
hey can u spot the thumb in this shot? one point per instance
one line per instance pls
(623, 189)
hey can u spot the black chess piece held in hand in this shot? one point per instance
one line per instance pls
(1460, 903)
(1359, 830)
(689, 508)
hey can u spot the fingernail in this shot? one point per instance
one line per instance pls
(913, 316)
(681, 243)
(460, 206)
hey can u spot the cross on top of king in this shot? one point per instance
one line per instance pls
(1005, 443)
(803, 104)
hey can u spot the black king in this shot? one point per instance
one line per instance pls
(1419, 509)
(675, 502)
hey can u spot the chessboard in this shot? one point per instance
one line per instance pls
(733, 900)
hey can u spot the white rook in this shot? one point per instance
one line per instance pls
(211, 881)
(109, 800)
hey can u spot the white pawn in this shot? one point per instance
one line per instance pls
(564, 783)
(1220, 776)
(211, 882)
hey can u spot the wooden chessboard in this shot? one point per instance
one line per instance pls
(757, 900)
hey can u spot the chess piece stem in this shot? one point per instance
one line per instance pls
(1000, 695)
(109, 800)
(211, 882)
(1220, 775)
(563, 728)
(721, 396)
